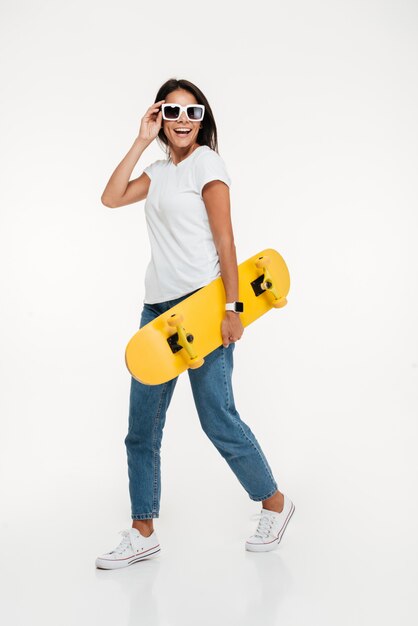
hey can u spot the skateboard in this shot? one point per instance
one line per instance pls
(181, 337)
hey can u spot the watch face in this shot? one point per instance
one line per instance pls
(239, 307)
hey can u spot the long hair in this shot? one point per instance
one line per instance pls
(207, 136)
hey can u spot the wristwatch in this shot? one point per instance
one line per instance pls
(237, 307)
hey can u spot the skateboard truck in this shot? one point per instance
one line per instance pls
(265, 283)
(180, 339)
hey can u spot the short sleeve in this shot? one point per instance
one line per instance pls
(152, 169)
(210, 166)
(148, 170)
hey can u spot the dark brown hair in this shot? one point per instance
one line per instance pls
(207, 136)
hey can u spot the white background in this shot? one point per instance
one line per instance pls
(316, 107)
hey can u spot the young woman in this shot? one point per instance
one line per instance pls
(189, 225)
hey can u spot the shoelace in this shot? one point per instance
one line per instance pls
(127, 540)
(264, 525)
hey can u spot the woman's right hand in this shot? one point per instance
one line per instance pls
(151, 122)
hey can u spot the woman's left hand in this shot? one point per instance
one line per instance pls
(231, 328)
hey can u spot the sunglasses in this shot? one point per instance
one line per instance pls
(194, 112)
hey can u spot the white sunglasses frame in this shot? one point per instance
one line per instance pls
(182, 108)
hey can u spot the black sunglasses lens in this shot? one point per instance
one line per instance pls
(172, 112)
(194, 113)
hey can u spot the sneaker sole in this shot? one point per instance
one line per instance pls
(272, 545)
(117, 564)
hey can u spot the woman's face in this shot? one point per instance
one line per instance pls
(185, 140)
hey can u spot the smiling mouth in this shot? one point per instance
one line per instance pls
(182, 132)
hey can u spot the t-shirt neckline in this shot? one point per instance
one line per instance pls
(188, 157)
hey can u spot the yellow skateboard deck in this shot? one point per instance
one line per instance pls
(190, 330)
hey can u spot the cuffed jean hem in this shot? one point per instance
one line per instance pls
(258, 499)
(145, 516)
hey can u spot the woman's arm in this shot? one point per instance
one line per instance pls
(217, 201)
(120, 191)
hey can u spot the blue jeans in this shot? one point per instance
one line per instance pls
(214, 400)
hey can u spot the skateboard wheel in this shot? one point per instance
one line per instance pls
(279, 303)
(175, 319)
(196, 363)
(190, 338)
(263, 261)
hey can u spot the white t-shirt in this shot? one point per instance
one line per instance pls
(183, 253)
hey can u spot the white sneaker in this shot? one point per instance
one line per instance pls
(134, 547)
(270, 528)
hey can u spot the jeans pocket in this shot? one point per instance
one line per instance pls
(147, 315)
